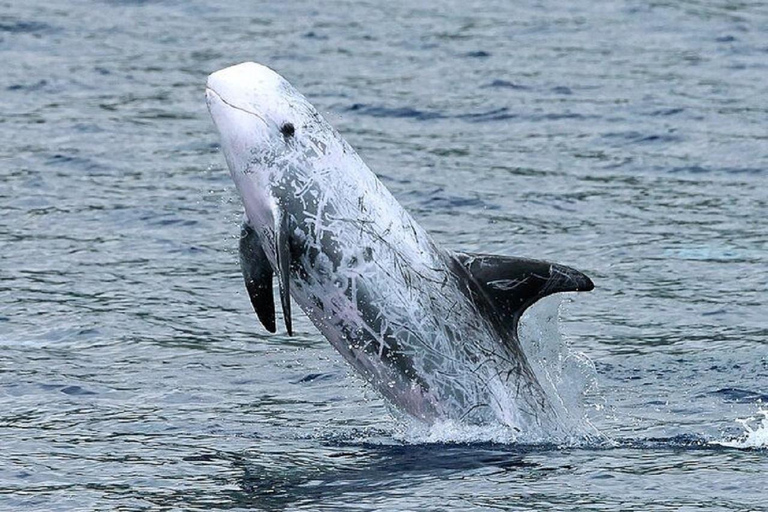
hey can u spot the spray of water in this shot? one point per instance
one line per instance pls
(568, 377)
(755, 432)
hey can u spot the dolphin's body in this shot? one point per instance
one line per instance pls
(434, 331)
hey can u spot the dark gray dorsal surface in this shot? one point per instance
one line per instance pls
(257, 273)
(511, 284)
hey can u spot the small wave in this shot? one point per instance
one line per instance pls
(558, 116)
(438, 199)
(24, 27)
(698, 169)
(40, 85)
(667, 111)
(561, 89)
(396, 112)
(499, 114)
(480, 54)
(506, 84)
(312, 377)
(755, 432)
(742, 396)
(634, 137)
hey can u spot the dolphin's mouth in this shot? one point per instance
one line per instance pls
(212, 92)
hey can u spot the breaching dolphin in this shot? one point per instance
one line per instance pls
(434, 331)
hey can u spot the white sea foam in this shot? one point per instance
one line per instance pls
(454, 432)
(755, 432)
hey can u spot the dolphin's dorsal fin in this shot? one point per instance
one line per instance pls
(511, 285)
(257, 273)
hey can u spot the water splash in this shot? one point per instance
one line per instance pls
(755, 432)
(452, 432)
(568, 377)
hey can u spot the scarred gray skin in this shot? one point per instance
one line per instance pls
(392, 302)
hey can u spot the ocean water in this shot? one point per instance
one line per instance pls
(626, 139)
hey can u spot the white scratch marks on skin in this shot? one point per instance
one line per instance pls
(371, 279)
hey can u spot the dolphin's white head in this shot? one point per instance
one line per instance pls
(267, 128)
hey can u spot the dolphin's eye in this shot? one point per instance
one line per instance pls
(287, 130)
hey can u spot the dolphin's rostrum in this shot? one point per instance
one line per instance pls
(434, 331)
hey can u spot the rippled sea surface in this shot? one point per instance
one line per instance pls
(627, 139)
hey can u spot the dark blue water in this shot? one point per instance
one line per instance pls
(627, 139)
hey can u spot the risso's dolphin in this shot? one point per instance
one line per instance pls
(434, 331)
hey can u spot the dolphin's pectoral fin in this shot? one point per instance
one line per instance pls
(257, 273)
(283, 251)
(514, 284)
